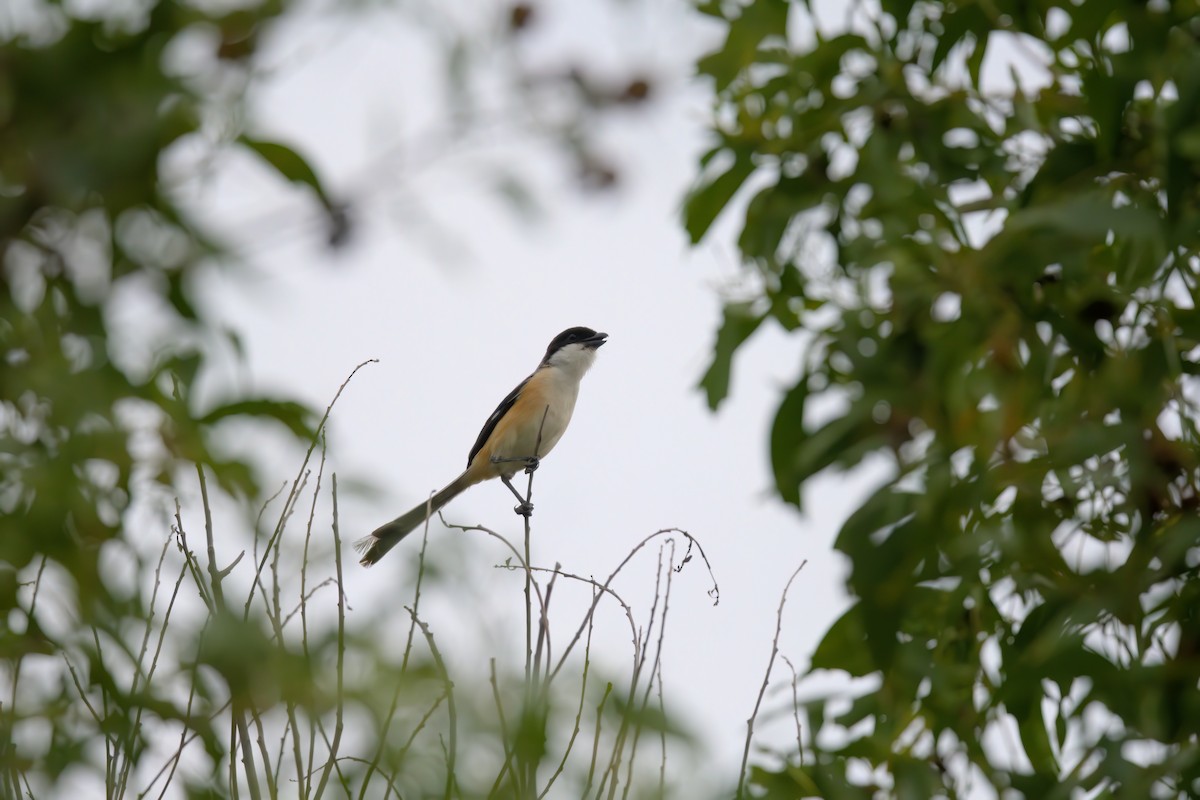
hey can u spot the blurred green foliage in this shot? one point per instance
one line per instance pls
(90, 422)
(86, 113)
(126, 660)
(984, 220)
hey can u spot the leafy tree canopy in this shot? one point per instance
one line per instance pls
(984, 217)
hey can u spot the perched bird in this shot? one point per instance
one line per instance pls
(523, 428)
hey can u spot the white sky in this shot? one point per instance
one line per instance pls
(456, 325)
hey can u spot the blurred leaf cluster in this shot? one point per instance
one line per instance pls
(96, 414)
(88, 233)
(984, 220)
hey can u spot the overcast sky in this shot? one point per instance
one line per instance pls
(458, 317)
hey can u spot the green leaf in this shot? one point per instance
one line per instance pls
(177, 295)
(786, 434)
(197, 790)
(975, 60)
(967, 23)
(649, 718)
(844, 645)
(771, 211)
(916, 777)
(184, 368)
(238, 650)
(297, 418)
(759, 19)
(885, 547)
(706, 202)
(1062, 166)
(711, 8)
(844, 440)
(1039, 784)
(234, 477)
(1108, 96)
(529, 743)
(898, 9)
(288, 163)
(740, 322)
(1086, 217)
(1036, 741)
(1092, 21)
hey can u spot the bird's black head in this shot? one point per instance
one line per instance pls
(586, 338)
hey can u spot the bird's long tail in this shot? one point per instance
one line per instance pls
(385, 537)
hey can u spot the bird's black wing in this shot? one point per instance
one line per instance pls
(494, 419)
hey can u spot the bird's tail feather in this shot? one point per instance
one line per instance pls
(385, 537)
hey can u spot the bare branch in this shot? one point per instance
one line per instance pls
(766, 679)
(341, 646)
(796, 707)
(299, 477)
(451, 710)
(714, 592)
(587, 663)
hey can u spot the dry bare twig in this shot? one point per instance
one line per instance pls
(341, 648)
(451, 709)
(766, 679)
(714, 592)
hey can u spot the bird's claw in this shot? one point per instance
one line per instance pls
(524, 509)
(531, 464)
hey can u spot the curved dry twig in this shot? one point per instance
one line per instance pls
(506, 768)
(524, 566)
(766, 679)
(603, 589)
(531, 667)
(656, 667)
(420, 579)
(341, 654)
(714, 592)
(587, 652)
(357, 760)
(796, 707)
(287, 506)
(451, 709)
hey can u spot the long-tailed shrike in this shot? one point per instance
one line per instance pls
(523, 428)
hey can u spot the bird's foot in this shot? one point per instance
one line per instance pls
(531, 462)
(524, 509)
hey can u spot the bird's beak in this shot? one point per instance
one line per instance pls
(595, 341)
